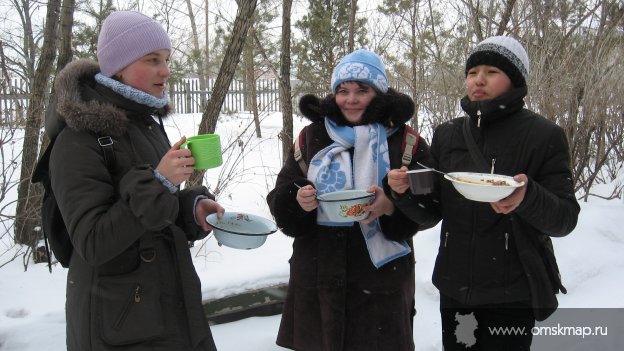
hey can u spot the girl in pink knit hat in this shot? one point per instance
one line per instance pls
(131, 283)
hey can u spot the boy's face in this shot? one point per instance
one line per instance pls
(486, 83)
(148, 74)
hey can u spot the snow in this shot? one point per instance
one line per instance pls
(32, 302)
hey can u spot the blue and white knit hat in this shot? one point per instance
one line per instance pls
(361, 66)
(505, 53)
(125, 37)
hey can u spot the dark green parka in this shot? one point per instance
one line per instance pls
(131, 283)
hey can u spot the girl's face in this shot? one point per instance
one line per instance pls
(148, 74)
(486, 83)
(352, 98)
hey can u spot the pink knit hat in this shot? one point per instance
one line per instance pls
(125, 37)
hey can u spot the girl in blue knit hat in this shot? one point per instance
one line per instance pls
(131, 283)
(495, 267)
(351, 283)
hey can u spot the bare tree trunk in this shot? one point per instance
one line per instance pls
(475, 20)
(284, 82)
(207, 44)
(65, 49)
(506, 17)
(197, 54)
(414, 63)
(352, 25)
(244, 17)
(250, 74)
(65, 34)
(29, 197)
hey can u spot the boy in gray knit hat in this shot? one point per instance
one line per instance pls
(505, 53)
(493, 264)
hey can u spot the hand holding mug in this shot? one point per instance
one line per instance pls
(177, 164)
(397, 180)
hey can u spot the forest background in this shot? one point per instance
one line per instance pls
(576, 50)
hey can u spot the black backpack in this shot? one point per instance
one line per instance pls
(55, 234)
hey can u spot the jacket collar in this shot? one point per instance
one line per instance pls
(84, 105)
(391, 109)
(498, 108)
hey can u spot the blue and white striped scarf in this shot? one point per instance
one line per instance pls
(331, 170)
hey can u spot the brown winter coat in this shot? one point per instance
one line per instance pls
(337, 299)
(131, 283)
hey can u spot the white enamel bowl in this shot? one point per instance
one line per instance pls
(241, 230)
(345, 205)
(483, 187)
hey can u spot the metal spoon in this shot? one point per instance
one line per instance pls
(435, 170)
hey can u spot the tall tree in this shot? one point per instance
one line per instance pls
(28, 196)
(197, 57)
(325, 31)
(84, 35)
(65, 34)
(352, 25)
(284, 82)
(258, 57)
(207, 39)
(251, 98)
(244, 16)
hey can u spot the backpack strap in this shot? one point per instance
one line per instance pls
(298, 155)
(409, 145)
(106, 143)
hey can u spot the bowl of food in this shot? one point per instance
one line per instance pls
(483, 187)
(241, 230)
(345, 205)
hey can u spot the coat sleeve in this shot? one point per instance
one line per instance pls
(549, 204)
(104, 218)
(186, 217)
(413, 212)
(282, 200)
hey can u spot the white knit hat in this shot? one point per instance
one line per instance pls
(125, 37)
(505, 53)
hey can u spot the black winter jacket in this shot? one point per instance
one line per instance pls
(131, 283)
(337, 299)
(489, 258)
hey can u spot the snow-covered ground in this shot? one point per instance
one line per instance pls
(590, 259)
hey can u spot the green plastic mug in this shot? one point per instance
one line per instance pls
(206, 150)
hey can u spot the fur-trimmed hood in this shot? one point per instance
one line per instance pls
(390, 109)
(84, 105)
